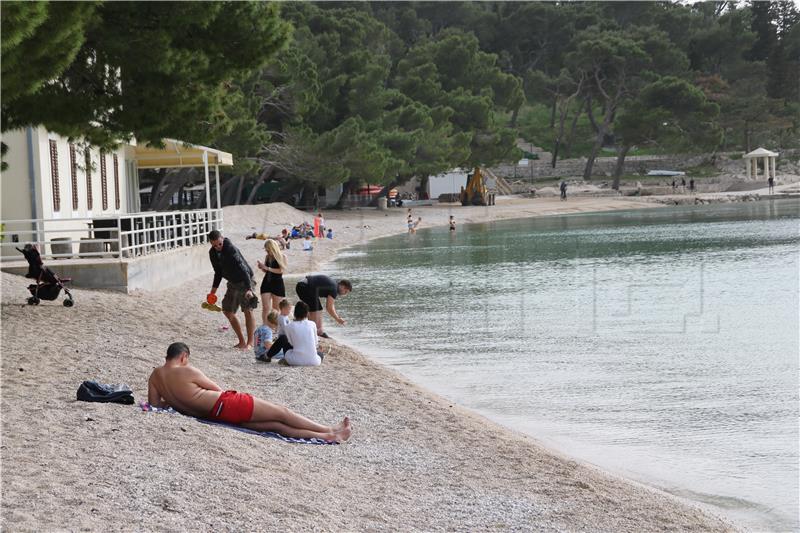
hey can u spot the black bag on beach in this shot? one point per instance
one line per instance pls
(92, 391)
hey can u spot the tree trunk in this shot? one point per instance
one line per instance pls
(572, 128)
(264, 175)
(346, 188)
(621, 153)
(598, 142)
(514, 116)
(239, 189)
(154, 195)
(175, 182)
(384, 192)
(553, 112)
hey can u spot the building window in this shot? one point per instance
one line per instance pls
(103, 180)
(116, 182)
(54, 175)
(88, 159)
(73, 174)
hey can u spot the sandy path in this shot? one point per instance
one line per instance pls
(415, 462)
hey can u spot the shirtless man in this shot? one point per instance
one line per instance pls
(186, 389)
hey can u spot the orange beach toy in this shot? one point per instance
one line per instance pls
(211, 299)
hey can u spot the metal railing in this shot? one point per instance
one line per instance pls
(120, 236)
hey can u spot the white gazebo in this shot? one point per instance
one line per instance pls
(752, 158)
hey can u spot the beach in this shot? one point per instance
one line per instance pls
(414, 462)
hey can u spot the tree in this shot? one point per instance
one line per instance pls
(670, 111)
(149, 70)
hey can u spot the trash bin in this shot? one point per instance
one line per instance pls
(62, 247)
(382, 203)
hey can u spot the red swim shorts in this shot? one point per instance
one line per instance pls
(232, 407)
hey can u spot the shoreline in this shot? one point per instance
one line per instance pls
(415, 461)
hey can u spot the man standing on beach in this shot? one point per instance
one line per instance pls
(228, 263)
(186, 389)
(312, 288)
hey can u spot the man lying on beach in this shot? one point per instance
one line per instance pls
(186, 389)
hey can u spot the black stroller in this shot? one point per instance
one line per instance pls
(48, 286)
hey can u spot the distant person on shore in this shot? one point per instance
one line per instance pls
(312, 288)
(264, 335)
(691, 186)
(229, 263)
(771, 183)
(563, 188)
(272, 288)
(283, 238)
(452, 223)
(683, 185)
(186, 389)
(674, 186)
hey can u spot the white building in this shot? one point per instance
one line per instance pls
(76, 201)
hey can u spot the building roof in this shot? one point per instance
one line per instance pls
(761, 152)
(178, 154)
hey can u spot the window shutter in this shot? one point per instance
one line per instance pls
(73, 173)
(103, 180)
(54, 175)
(88, 159)
(116, 182)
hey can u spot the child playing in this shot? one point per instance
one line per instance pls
(307, 246)
(263, 337)
(284, 308)
(452, 223)
(330, 234)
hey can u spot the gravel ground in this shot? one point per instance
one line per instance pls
(415, 462)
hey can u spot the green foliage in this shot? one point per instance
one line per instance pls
(145, 69)
(39, 41)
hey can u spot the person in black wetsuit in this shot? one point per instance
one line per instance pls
(229, 263)
(312, 288)
(272, 287)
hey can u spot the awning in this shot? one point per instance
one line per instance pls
(178, 154)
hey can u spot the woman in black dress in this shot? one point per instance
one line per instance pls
(272, 288)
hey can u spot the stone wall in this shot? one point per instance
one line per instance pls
(603, 166)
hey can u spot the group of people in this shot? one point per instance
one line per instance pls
(304, 231)
(683, 185)
(183, 387)
(298, 339)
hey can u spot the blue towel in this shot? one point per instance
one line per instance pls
(269, 434)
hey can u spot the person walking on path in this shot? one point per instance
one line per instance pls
(186, 389)
(674, 186)
(272, 288)
(563, 190)
(683, 185)
(771, 183)
(229, 263)
(312, 288)
(691, 186)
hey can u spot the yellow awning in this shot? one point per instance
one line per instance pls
(178, 154)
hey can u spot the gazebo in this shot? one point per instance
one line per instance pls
(752, 158)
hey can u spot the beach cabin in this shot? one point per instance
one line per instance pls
(81, 206)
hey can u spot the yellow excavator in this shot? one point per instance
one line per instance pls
(476, 192)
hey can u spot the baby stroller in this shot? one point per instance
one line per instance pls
(48, 286)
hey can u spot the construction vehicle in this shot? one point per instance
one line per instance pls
(476, 192)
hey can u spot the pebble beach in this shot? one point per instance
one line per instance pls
(415, 461)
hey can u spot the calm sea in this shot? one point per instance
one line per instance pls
(660, 344)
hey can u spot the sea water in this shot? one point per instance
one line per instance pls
(661, 344)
